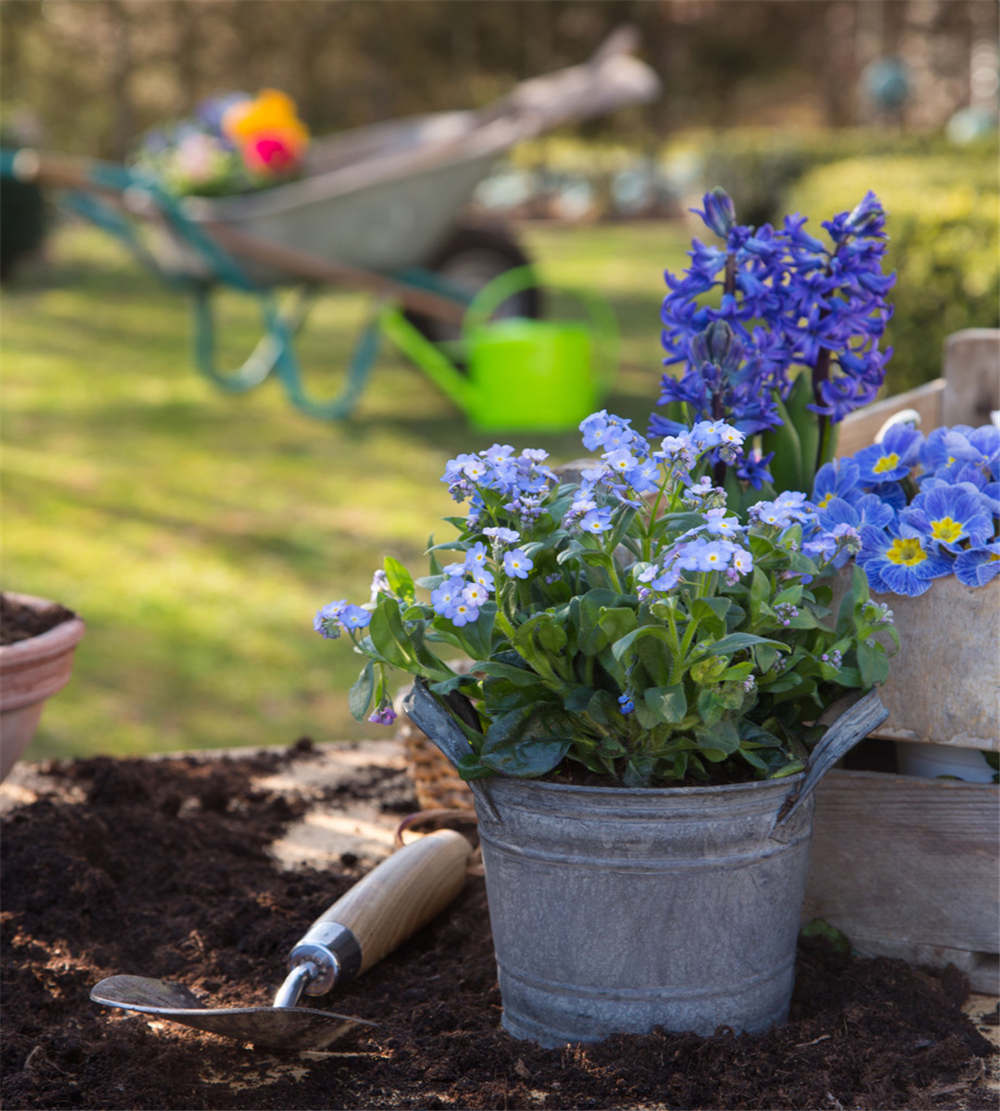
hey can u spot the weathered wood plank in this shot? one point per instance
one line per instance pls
(909, 867)
(972, 376)
(859, 429)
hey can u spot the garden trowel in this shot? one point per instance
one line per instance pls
(395, 899)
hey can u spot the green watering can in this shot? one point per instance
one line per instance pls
(523, 374)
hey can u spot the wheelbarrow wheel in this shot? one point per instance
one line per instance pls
(469, 259)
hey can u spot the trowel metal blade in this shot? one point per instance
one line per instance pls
(271, 1027)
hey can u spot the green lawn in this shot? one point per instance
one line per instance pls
(198, 532)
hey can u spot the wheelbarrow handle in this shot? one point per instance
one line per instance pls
(393, 901)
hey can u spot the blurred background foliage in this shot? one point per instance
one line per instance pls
(96, 74)
(197, 532)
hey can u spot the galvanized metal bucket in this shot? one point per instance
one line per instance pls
(620, 910)
(617, 910)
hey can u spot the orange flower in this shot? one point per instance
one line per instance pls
(268, 131)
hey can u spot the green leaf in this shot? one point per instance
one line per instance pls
(400, 580)
(822, 929)
(711, 708)
(617, 621)
(512, 748)
(359, 697)
(382, 629)
(720, 737)
(872, 663)
(668, 703)
(622, 646)
(786, 466)
(519, 676)
(735, 642)
(806, 424)
(479, 635)
(708, 670)
(765, 655)
(586, 613)
(604, 709)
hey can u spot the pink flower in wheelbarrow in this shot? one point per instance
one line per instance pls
(268, 131)
(271, 154)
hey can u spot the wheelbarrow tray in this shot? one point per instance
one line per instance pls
(383, 197)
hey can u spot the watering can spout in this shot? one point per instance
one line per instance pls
(435, 364)
(522, 374)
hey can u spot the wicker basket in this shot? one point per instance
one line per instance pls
(438, 785)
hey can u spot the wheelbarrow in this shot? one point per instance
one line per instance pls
(375, 211)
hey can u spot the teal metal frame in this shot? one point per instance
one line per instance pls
(275, 352)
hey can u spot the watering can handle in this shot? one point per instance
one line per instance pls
(505, 285)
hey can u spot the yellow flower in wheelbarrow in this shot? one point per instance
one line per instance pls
(269, 133)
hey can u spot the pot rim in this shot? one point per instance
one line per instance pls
(644, 792)
(60, 638)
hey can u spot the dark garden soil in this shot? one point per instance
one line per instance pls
(21, 622)
(162, 867)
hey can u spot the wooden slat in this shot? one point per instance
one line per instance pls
(859, 429)
(972, 374)
(909, 867)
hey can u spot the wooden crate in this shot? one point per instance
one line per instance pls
(909, 867)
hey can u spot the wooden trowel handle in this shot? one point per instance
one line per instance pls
(380, 911)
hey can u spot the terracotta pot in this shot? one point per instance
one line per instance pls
(31, 671)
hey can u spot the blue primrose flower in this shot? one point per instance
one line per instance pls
(949, 515)
(900, 564)
(978, 566)
(839, 479)
(626, 702)
(893, 458)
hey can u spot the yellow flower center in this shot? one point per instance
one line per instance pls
(906, 550)
(946, 530)
(826, 501)
(887, 463)
(994, 556)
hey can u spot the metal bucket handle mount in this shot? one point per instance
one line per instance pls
(847, 729)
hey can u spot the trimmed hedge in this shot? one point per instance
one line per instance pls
(757, 166)
(942, 221)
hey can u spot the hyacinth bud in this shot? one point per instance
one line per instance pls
(867, 215)
(719, 345)
(719, 214)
